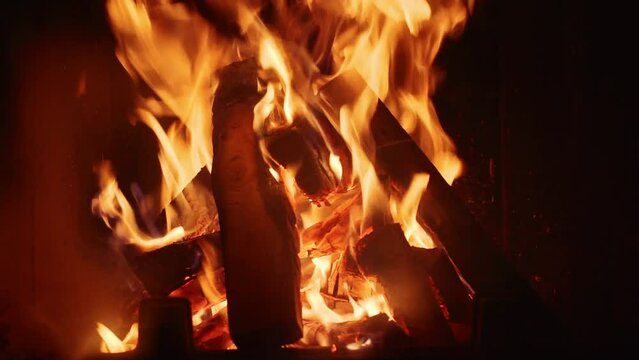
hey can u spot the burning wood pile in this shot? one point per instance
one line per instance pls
(305, 196)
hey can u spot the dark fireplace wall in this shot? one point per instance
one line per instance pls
(546, 91)
(64, 100)
(539, 96)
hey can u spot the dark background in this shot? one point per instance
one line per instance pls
(539, 96)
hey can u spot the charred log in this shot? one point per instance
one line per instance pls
(376, 331)
(165, 328)
(166, 269)
(300, 150)
(506, 309)
(163, 270)
(259, 239)
(386, 255)
(426, 258)
(399, 158)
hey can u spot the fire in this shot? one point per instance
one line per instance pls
(406, 213)
(175, 51)
(117, 213)
(112, 344)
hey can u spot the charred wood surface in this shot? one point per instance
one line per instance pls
(386, 255)
(259, 238)
(300, 149)
(163, 270)
(399, 158)
(166, 269)
(505, 308)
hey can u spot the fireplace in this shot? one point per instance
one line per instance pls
(272, 177)
(305, 178)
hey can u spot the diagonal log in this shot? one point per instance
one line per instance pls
(399, 158)
(507, 311)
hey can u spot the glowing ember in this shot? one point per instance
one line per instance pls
(172, 49)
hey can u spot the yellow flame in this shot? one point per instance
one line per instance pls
(319, 310)
(208, 312)
(172, 50)
(111, 343)
(405, 213)
(336, 166)
(270, 58)
(117, 213)
(393, 44)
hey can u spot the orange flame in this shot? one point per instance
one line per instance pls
(170, 48)
(111, 343)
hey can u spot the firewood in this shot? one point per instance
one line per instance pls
(386, 255)
(166, 269)
(192, 290)
(259, 239)
(426, 258)
(437, 266)
(338, 147)
(163, 270)
(212, 334)
(453, 291)
(379, 330)
(330, 235)
(165, 329)
(301, 150)
(398, 157)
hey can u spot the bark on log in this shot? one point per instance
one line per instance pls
(300, 150)
(259, 238)
(166, 269)
(399, 158)
(386, 255)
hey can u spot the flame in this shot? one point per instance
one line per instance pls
(111, 343)
(393, 44)
(208, 312)
(406, 213)
(118, 215)
(319, 311)
(173, 51)
(336, 166)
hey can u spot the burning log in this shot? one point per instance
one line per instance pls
(386, 255)
(426, 258)
(163, 270)
(212, 334)
(357, 335)
(300, 149)
(330, 235)
(259, 238)
(338, 147)
(166, 269)
(399, 158)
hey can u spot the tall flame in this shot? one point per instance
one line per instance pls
(173, 52)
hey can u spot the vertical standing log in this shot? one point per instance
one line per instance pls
(257, 224)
